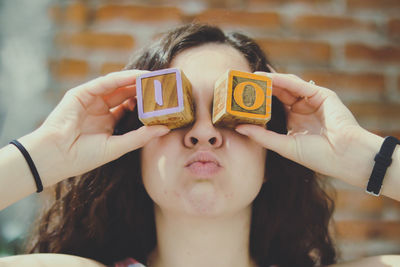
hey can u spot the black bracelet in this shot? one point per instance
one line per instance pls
(382, 161)
(29, 160)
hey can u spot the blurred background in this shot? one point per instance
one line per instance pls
(350, 46)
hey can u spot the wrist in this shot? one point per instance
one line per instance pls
(383, 160)
(362, 148)
(358, 162)
(391, 182)
(39, 148)
(31, 164)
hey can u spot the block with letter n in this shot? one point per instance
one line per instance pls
(165, 97)
(242, 97)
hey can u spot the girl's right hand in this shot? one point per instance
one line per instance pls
(77, 135)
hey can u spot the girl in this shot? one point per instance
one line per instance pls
(199, 195)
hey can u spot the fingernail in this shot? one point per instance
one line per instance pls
(263, 73)
(271, 68)
(241, 130)
(164, 131)
(269, 75)
(266, 74)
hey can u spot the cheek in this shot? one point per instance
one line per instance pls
(248, 160)
(246, 152)
(156, 173)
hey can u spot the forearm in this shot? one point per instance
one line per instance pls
(16, 179)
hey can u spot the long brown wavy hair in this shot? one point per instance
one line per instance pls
(107, 215)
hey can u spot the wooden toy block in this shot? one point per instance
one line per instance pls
(165, 97)
(241, 97)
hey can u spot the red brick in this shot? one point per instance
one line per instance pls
(358, 202)
(391, 203)
(97, 40)
(70, 68)
(387, 133)
(75, 13)
(111, 67)
(222, 3)
(293, 51)
(368, 229)
(268, 20)
(344, 81)
(55, 13)
(325, 24)
(385, 54)
(373, 4)
(394, 27)
(376, 110)
(286, 2)
(398, 84)
(138, 13)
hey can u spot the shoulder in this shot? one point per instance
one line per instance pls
(376, 261)
(48, 259)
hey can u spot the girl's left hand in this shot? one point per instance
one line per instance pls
(323, 135)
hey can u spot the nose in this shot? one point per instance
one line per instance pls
(203, 133)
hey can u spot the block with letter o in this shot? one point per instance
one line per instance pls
(165, 97)
(242, 97)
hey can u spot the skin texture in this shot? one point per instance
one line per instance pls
(186, 199)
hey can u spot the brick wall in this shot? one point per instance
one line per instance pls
(350, 46)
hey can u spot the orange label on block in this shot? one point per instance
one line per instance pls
(249, 95)
(258, 99)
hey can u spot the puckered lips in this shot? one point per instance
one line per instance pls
(203, 164)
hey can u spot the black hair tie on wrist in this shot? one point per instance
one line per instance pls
(29, 160)
(382, 161)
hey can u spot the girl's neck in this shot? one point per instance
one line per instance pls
(202, 241)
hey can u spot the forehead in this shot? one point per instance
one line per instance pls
(210, 60)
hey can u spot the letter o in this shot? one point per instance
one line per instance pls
(238, 95)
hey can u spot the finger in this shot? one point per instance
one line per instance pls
(303, 106)
(294, 85)
(281, 144)
(284, 96)
(109, 83)
(122, 144)
(119, 111)
(120, 95)
(313, 94)
(281, 93)
(274, 72)
(90, 95)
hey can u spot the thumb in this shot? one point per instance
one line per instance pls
(279, 143)
(122, 144)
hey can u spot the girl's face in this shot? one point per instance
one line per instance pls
(204, 170)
